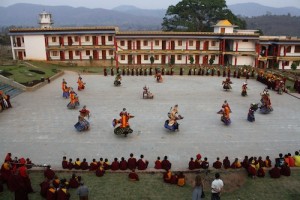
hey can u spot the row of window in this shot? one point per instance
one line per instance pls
(76, 38)
(156, 57)
(77, 53)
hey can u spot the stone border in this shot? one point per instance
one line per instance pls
(12, 83)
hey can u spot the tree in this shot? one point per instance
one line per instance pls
(211, 61)
(198, 15)
(172, 60)
(152, 60)
(191, 60)
(294, 66)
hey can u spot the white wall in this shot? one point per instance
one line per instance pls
(244, 60)
(35, 47)
(244, 46)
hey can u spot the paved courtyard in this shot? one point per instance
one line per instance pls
(41, 127)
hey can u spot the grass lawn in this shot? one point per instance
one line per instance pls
(151, 186)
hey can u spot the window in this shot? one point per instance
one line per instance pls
(54, 53)
(156, 57)
(87, 52)
(53, 39)
(145, 42)
(111, 52)
(179, 42)
(213, 57)
(245, 40)
(77, 53)
(156, 42)
(213, 43)
(76, 38)
(289, 49)
(122, 57)
(122, 43)
(297, 49)
(110, 38)
(87, 38)
(179, 57)
(191, 43)
(146, 57)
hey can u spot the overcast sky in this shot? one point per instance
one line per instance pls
(149, 4)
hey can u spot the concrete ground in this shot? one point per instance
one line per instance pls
(41, 127)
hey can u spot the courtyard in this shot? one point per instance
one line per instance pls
(40, 126)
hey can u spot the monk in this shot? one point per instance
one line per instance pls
(84, 165)
(217, 164)
(64, 163)
(106, 164)
(205, 164)
(132, 163)
(8, 157)
(297, 159)
(133, 176)
(142, 164)
(261, 172)
(115, 165)
(74, 181)
(100, 171)
(49, 173)
(123, 164)
(245, 162)
(275, 172)
(165, 164)
(181, 179)
(24, 175)
(70, 164)
(56, 182)
(226, 163)
(291, 160)
(93, 165)
(251, 169)
(63, 193)
(192, 165)
(198, 161)
(77, 163)
(6, 171)
(45, 185)
(268, 162)
(101, 162)
(260, 162)
(285, 170)
(167, 176)
(80, 83)
(51, 193)
(157, 164)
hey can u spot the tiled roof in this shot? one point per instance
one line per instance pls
(63, 29)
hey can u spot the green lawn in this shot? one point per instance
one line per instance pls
(151, 186)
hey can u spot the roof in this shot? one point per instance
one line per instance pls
(96, 28)
(224, 23)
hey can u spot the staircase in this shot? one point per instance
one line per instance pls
(9, 90)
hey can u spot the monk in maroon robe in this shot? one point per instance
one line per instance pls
(252, 170)
(245, 162)
(133, 176)
(49, 173)
(142, 164)
(93, 165)
(56, 182)
(268, 162)
(74, 182)
(6, 171)
(204, 164)
(63, 194)
(261, 172)
(226, 163)
(100, 163)
(21, 188)
(165, 164)
(45, 185)
(100, 172)
(157, 164)
(23, 173)
(132, 163)
(106, 164)
(64, 163)
(51, 194)
(123, 164)
(192, 164)
(84, 165)
(285, 170)
(28, 163)
(77, 164)
(115, 165)
(70, 164)
(261, 162)
(8, 158)
(217, 164)
(275, 172)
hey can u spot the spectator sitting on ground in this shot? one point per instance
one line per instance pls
(285, 170)
(261, 172)
(123, 164)
(74, 181)
(236, 164)
(93, 165)
(192, 164)
(165, 164)
(260, 162)
(101, 162)
(51, 193)
(77, 164)
(106, 164)
(297, 159)
(287, 160)
(56, 182)
(205, 164)
(132, 163)
(70, 164)
(279, 161)
(157, 164)
(268, 162)
(245, 162)
(64, 163)
(181, 179)
(226, 163)
(142, 164)
(100, 171)
(217, 164)
(275, 172)
(167, 176)
(115, 165)
(84, 165)
(291, 160)
(133, 176)
(198, 161)
(251, 168)
(45, 185)
(63, 193)
(49, 173)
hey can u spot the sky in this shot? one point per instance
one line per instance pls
(146, 4)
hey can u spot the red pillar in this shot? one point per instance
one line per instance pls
(235, 60)
(187, 45)
(151, 45)
(115, 52)
(236, 46)
(80, 55)
(79, 40)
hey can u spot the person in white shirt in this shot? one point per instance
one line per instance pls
(216, 187)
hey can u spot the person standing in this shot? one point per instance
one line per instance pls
(198, 188)
(83, 192)
(216, 187)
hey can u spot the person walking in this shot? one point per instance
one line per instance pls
(198, 193)
(83, 192)
(216, 187)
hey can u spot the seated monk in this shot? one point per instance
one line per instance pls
(287, 160)
(268, 162)
(167, 176)
(217, 164)
(8, 158)
(63, 193)
(198, 161)
(236, 164)
(261, 172)
(49, 173)
(132, 163)
(84, 112)
(158, 163)
(84, 165)
(245, 162)
(74, 181)
(142, 164)
(297, 159)
(174, 179)
(291, 160)
(93, 165)
(123, 164)
(285, 170)
(51, 193)
(275, 172)
(56, 182)
(45, 185)
(101, 163)
(106, 164)
(115, 165)
(226, 163)
(181, 179)
(260, 162)
(165, 164)
(100, 171)
(205, 164)
(133, 176)
(70, 164)
(77, 164)
(64, 163)
(192, 165)
(251, 169)
(5, 171)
